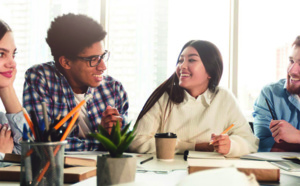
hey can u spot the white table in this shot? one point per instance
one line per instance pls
(157, 172)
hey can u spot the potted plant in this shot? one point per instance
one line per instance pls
(115, 167)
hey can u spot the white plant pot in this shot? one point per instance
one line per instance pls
(115, 170)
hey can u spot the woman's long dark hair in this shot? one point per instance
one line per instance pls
(213, 63)
(3, 28)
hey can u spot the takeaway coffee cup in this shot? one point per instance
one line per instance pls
(165, 146)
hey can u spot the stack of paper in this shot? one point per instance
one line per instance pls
(263, 170)
(202, 155)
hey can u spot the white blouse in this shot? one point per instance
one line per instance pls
(194, 120)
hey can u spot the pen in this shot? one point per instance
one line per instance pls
(30, 124)
(273, 117)
(35, 125)
(146, 160)
(25, 136)
(224, 132)
(46, 119)
(42, 173)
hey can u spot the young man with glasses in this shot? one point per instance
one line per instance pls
(76, 43)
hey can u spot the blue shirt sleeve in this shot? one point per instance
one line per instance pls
(262, 119)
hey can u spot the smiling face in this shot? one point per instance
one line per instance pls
(79, 73)
(191, 72)
(7, 62)
(293, 76)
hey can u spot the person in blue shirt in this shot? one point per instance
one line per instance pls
(278, 128)
(77, 72)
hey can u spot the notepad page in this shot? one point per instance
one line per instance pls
(270, 156)
(205, 155)
(251, 164)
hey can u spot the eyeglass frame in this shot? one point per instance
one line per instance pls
(100, 57)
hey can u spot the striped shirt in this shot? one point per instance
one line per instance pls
(45, 83)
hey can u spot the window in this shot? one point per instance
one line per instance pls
(266, 31)
(146, 36)
(30, 21)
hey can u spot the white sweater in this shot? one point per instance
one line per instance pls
(194, 120)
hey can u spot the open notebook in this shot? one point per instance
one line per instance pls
(287, 165)
(271, 156)
(263, 170)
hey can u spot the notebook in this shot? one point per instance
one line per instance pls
(263, 170)
(71, 174)
(287, 165)
(202, 155)
(270, 156)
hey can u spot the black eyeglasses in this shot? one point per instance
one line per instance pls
(96, 60)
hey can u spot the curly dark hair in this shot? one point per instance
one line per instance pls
(69, 34)
(4, 28)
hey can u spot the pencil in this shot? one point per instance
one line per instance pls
(273, 117)
(146, 160)
(61, 122)
(46, 119)
(71, 124)
(35, 125)
(224, 132)
(30, 124)
(58, 147)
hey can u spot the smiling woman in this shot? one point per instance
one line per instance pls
(192, 105)
(11, 124)
(191, 72)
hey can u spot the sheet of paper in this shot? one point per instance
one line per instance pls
(159, 166)
(270, 156)
(287, 165)
(206, 155)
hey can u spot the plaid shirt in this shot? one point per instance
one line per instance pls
(45, 83)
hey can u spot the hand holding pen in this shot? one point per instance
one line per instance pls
(221, 142)
(284, 131)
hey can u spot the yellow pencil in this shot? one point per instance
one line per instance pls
(72, 112)
(30, 124)
(58, 147)
(224, 132)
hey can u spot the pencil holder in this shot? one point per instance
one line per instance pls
(42, 163)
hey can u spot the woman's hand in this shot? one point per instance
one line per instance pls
(204, 147)
(6, 140)
(221, 143)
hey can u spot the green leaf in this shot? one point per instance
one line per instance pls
(117, 134)
(103, 131)
(124, 131)
(112, 132)
(116, 142)
(107, 143)
(123, 146)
